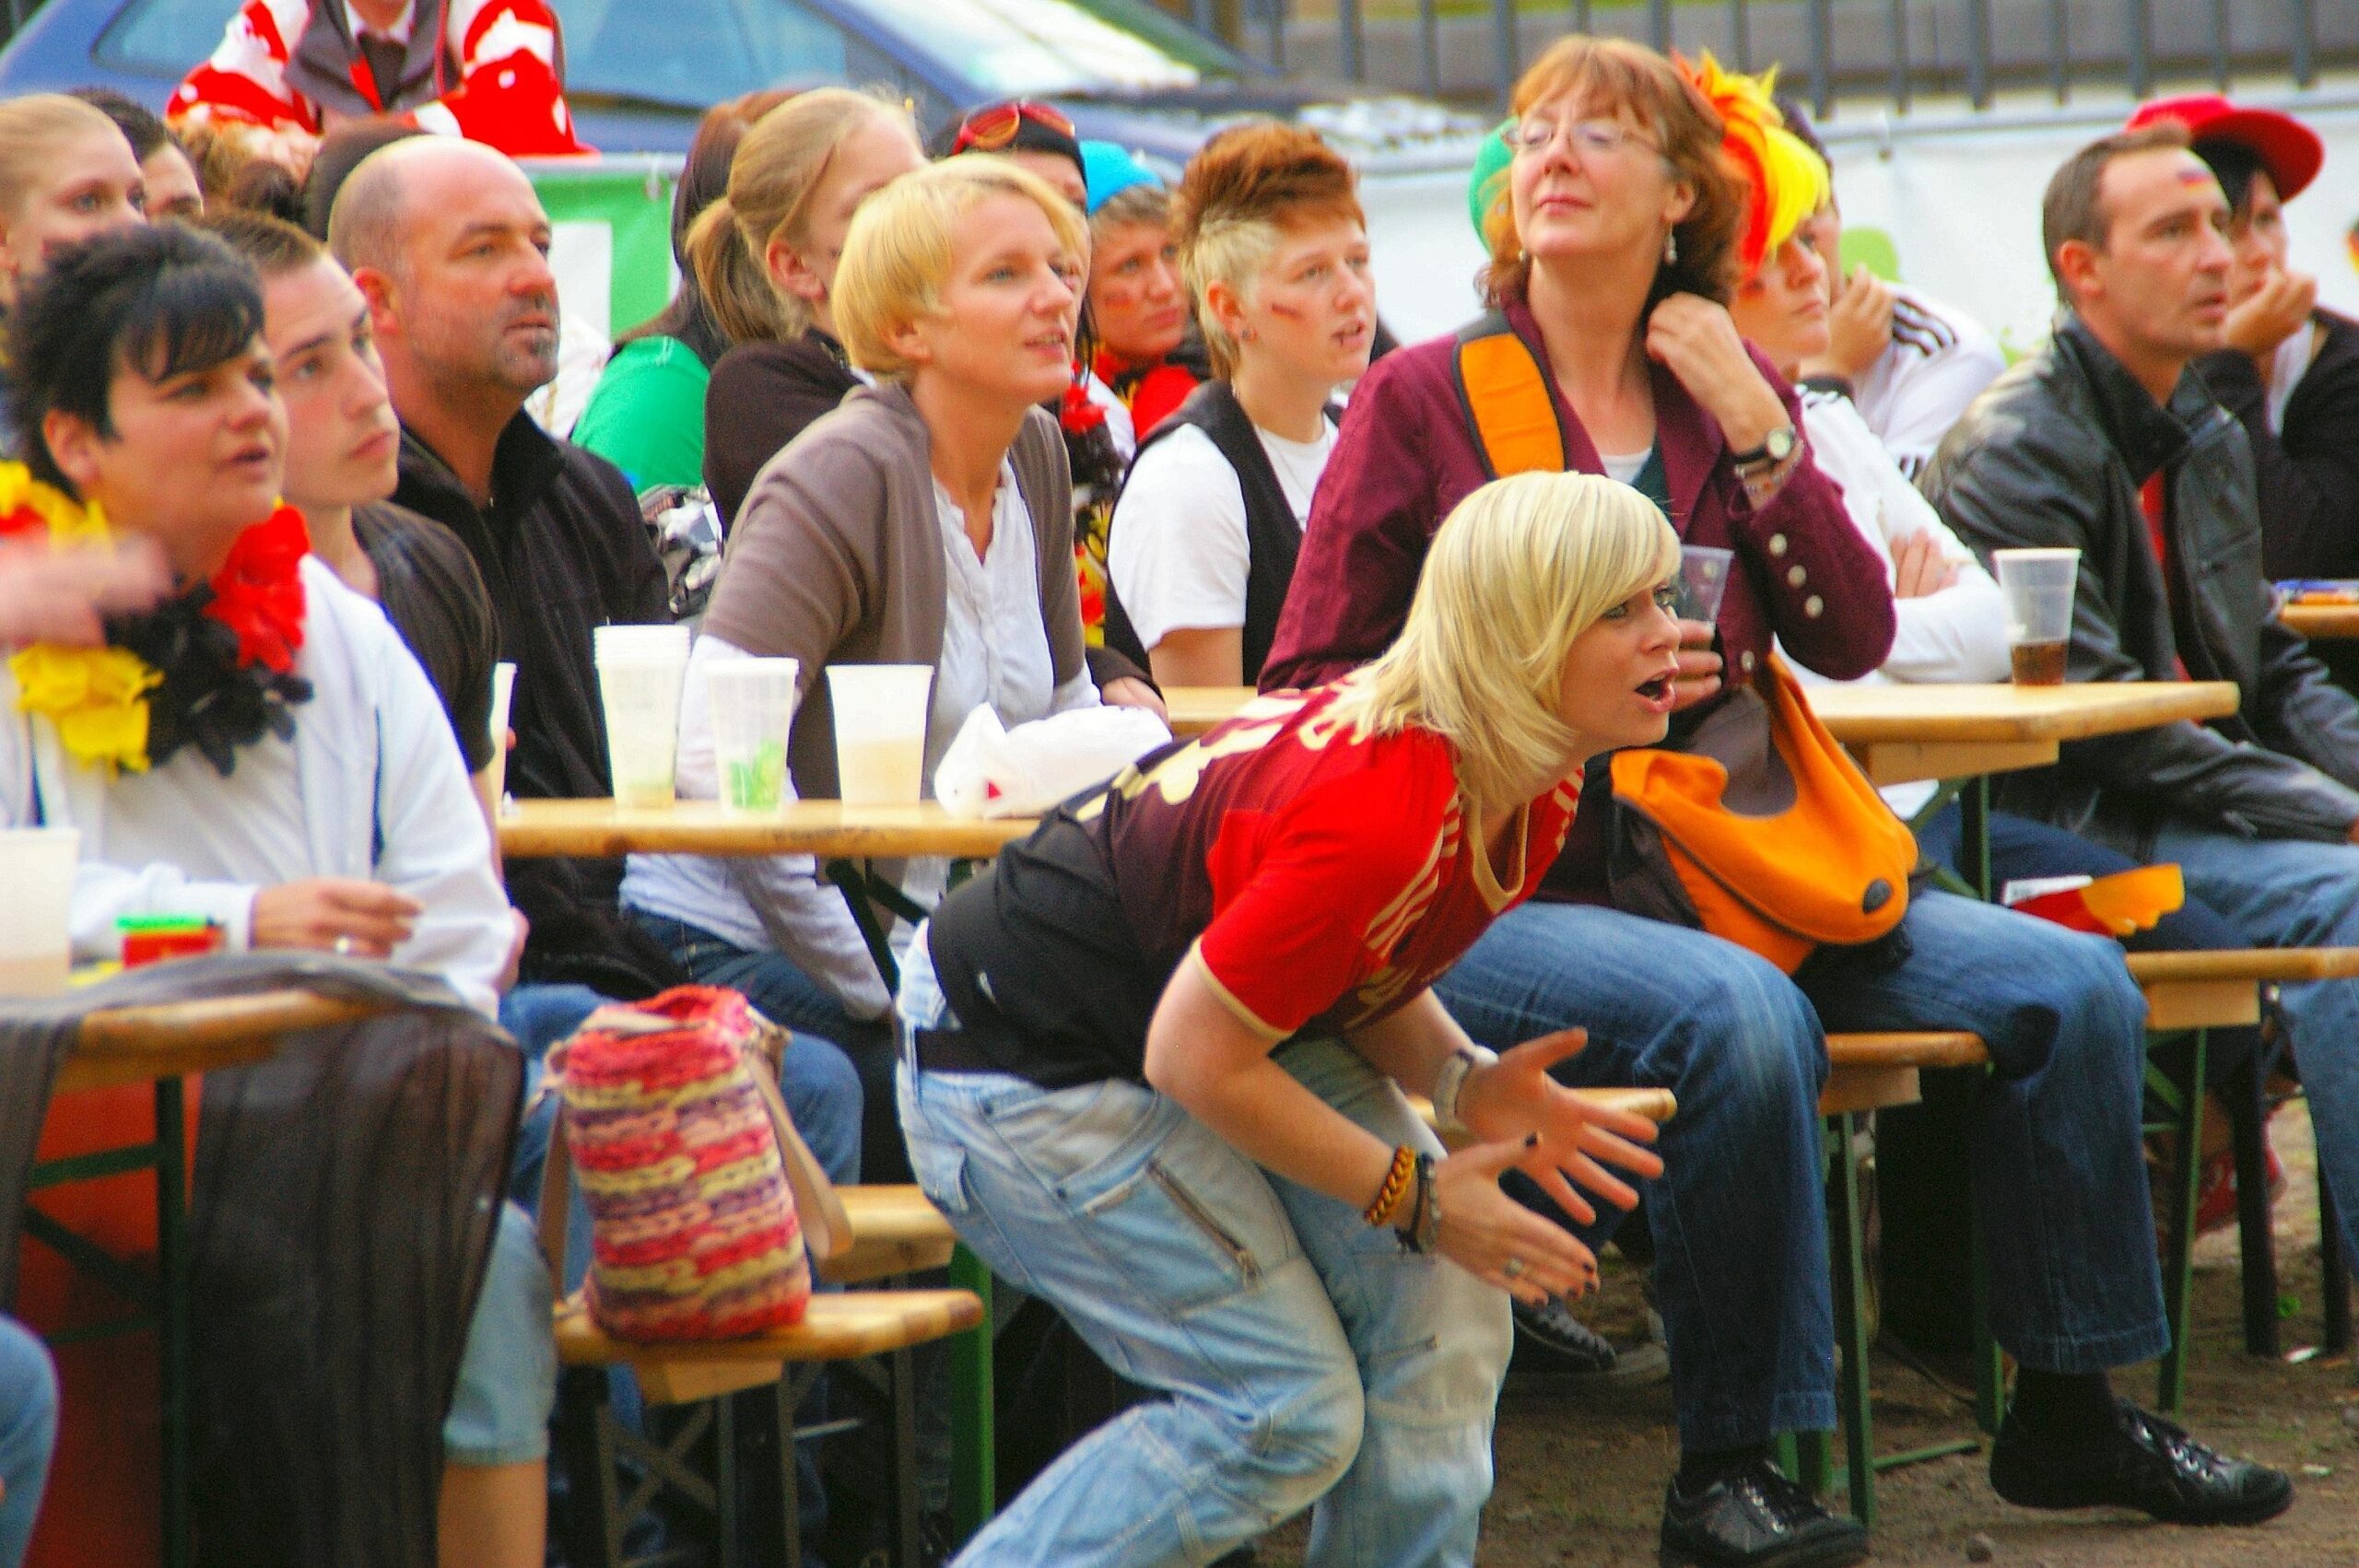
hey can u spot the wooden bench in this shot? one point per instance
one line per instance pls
(2197, 992)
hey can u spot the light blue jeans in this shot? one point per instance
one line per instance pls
(1307, 1359)
(28, 1436)
(2291, 893)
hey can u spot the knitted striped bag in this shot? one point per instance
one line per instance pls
(670, 1113)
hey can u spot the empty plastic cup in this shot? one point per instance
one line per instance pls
(751, 702)
(503, 691)
(880, 712)
(36, 938)
(1703, 578)
(2037, 586)
(639, 673)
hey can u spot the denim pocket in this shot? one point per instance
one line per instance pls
(941, 1170)
(1187, 1248)
(1083, 1140)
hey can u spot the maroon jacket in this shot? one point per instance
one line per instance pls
(1406, 457)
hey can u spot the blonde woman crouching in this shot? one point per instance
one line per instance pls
(1158, 1058)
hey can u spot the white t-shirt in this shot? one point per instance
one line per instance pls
(1178, 554)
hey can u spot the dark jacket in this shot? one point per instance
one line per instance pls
(2307, 478)
(561, 550)
(430, 589)
(2054, 453)
(762, 395)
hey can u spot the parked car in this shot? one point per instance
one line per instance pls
(639, 73)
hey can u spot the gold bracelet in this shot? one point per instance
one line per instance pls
(1396, 1187)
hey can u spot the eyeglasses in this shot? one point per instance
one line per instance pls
(989, 130)
(1591, 139)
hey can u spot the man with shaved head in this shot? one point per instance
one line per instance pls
(447, 241)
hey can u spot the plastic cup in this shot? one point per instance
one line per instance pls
(2037, 586)
(36, 940)
(503, 688)
(639, 673)
(1703, 578)
(880, 712)
(753, 706)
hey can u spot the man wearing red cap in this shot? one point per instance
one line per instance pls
(2289, 372)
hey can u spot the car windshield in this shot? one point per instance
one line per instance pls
(695, 53)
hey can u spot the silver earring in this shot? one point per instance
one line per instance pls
(1670, 247)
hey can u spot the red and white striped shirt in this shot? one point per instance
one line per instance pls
(496, 79)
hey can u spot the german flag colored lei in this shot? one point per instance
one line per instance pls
(212, 667)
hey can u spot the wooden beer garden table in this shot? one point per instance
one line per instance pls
(2322, 622)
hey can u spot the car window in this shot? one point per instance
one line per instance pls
(1033, 48)
(165, 37)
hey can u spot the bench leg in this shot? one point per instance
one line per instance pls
(2256, 1239)
(900, 1367)
(2334, 1269)
(2178, 1264)
(974, 1480)
(1851, 1322)
(592, 1526)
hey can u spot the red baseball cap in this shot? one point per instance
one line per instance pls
(2289, 150)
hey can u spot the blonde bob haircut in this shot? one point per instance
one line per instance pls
(778, 167)
(1517, 572)
(898, 257)
(32, 128)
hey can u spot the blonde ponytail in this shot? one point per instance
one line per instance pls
(734, 284)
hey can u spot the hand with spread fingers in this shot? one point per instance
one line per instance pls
(1572, 1140)
(1498, 1240)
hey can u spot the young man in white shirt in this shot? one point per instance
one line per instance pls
(1274, 250)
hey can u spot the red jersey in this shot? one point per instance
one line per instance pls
(487, 70)
(1321, 881)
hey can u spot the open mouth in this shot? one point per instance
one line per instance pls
(1658, 693)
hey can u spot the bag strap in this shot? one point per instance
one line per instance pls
(557, 1198)
(1508, 408)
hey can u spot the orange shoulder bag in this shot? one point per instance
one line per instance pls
(1760, 829)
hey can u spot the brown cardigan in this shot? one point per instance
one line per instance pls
(837, 558)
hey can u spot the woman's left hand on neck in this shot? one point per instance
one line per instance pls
(1696, 341)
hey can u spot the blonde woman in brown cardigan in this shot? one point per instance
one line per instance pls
(928, 520)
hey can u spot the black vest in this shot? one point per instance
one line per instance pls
(1272, 537)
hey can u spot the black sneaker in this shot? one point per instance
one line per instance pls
(1552, 1342)
(2144, 1463)
(1755, 1517)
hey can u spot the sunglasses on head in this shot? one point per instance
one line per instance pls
(989, 130)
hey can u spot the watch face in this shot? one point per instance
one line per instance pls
(1780, 444)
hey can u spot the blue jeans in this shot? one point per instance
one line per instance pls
(2021, 849)
(1307, 1359)
(28, 1436)
(1738, 1216)
(506, 1384)
(2287, 893)
(846, 1076)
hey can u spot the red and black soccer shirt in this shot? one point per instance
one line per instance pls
(1319, 880)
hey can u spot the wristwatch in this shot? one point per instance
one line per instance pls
(1775, 449)
(1452, 1080)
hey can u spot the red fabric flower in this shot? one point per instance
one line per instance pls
(1077, 414)
(258, 592)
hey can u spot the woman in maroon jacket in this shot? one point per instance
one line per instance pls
(1615, 245)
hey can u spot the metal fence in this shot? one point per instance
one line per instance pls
(1892, 50)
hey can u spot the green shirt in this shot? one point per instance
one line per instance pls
(646, 416)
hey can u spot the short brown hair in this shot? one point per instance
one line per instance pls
(1633, 82)
(2074, 207)
(273, 245)
(1242, 190)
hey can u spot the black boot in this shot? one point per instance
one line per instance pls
(2142, 1462)
(1755, 1517)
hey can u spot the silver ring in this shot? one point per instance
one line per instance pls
(344, 947)
(1512, 1268)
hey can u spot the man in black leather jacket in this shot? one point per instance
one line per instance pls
(2106, 441)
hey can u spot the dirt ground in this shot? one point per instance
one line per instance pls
(1582, 1473)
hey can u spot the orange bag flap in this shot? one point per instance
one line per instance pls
(1508, 399)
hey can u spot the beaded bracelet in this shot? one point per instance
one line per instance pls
(1396, 1184)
